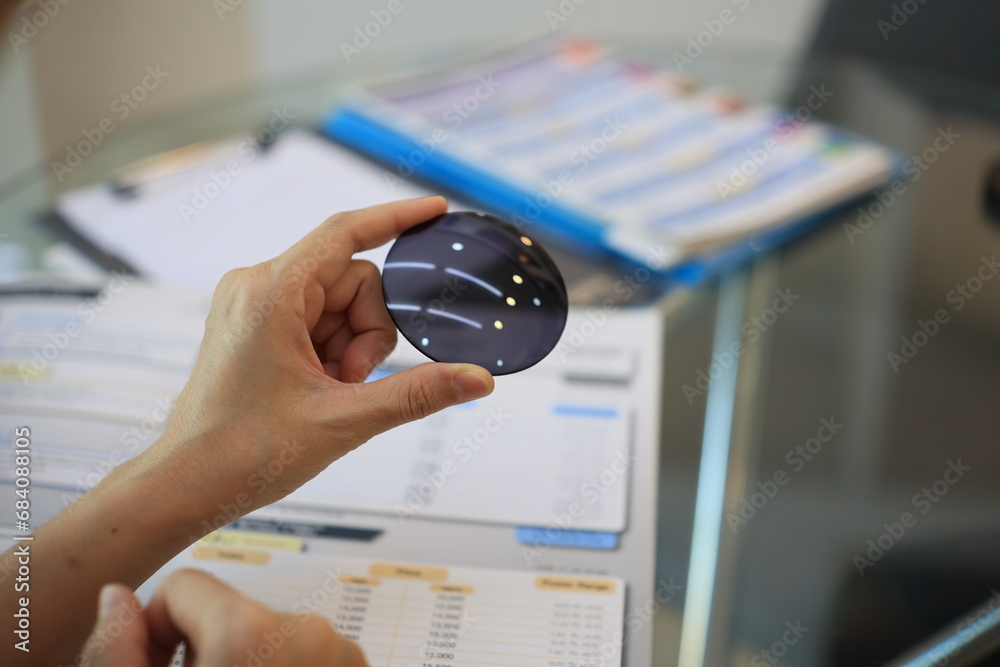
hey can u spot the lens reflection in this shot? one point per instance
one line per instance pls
(465, 287)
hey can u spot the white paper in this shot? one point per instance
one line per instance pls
(405, 614)
(184, 235)
(94, 379)
(552, 442)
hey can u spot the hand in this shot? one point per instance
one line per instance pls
(220, 626)
(275, 396)
(277, 393)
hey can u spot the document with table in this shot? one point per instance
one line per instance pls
(100, 392)
(560, 434)
(553, 450)
(537, 501)
(405, 614)
(96, 373)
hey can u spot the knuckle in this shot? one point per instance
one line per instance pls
(340, 218)
(239, 289)
(243, 626)
(419, 400)
(227, 282)
(254, 277)
(341, 223)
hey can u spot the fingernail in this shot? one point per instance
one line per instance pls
(469, 386)
(111, 599)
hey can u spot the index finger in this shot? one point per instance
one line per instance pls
(190, 603)
(324, 252)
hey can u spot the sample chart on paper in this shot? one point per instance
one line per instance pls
(96, 377)
(548, 442)
(461, 463)
(405, 614)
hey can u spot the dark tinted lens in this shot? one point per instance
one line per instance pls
(470, 288)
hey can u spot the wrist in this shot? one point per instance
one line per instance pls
(183, 493)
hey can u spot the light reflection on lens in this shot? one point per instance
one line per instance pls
(451, 277)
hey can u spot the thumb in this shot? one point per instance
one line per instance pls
(412, 394)
(120, 636)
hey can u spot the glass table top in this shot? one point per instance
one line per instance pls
(830, 429)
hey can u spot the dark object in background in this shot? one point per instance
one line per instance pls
(991, 195)
(964, 642)
(470, 288)
(946, 54)
(953, 39)
(909, 594)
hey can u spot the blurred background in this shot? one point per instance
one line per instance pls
(826, 358)
(66, 77)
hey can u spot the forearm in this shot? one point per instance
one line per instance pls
(123, 530)
(277, 381)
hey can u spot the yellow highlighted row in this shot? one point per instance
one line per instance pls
(577, 584)
(412, 572)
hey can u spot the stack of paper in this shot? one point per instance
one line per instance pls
(612, 154)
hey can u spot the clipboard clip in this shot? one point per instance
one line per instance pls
(134, 179)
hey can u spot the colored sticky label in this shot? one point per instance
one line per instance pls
(559, 537)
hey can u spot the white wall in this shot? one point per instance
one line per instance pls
(20, 134)
(62, 82)
(296, 33)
